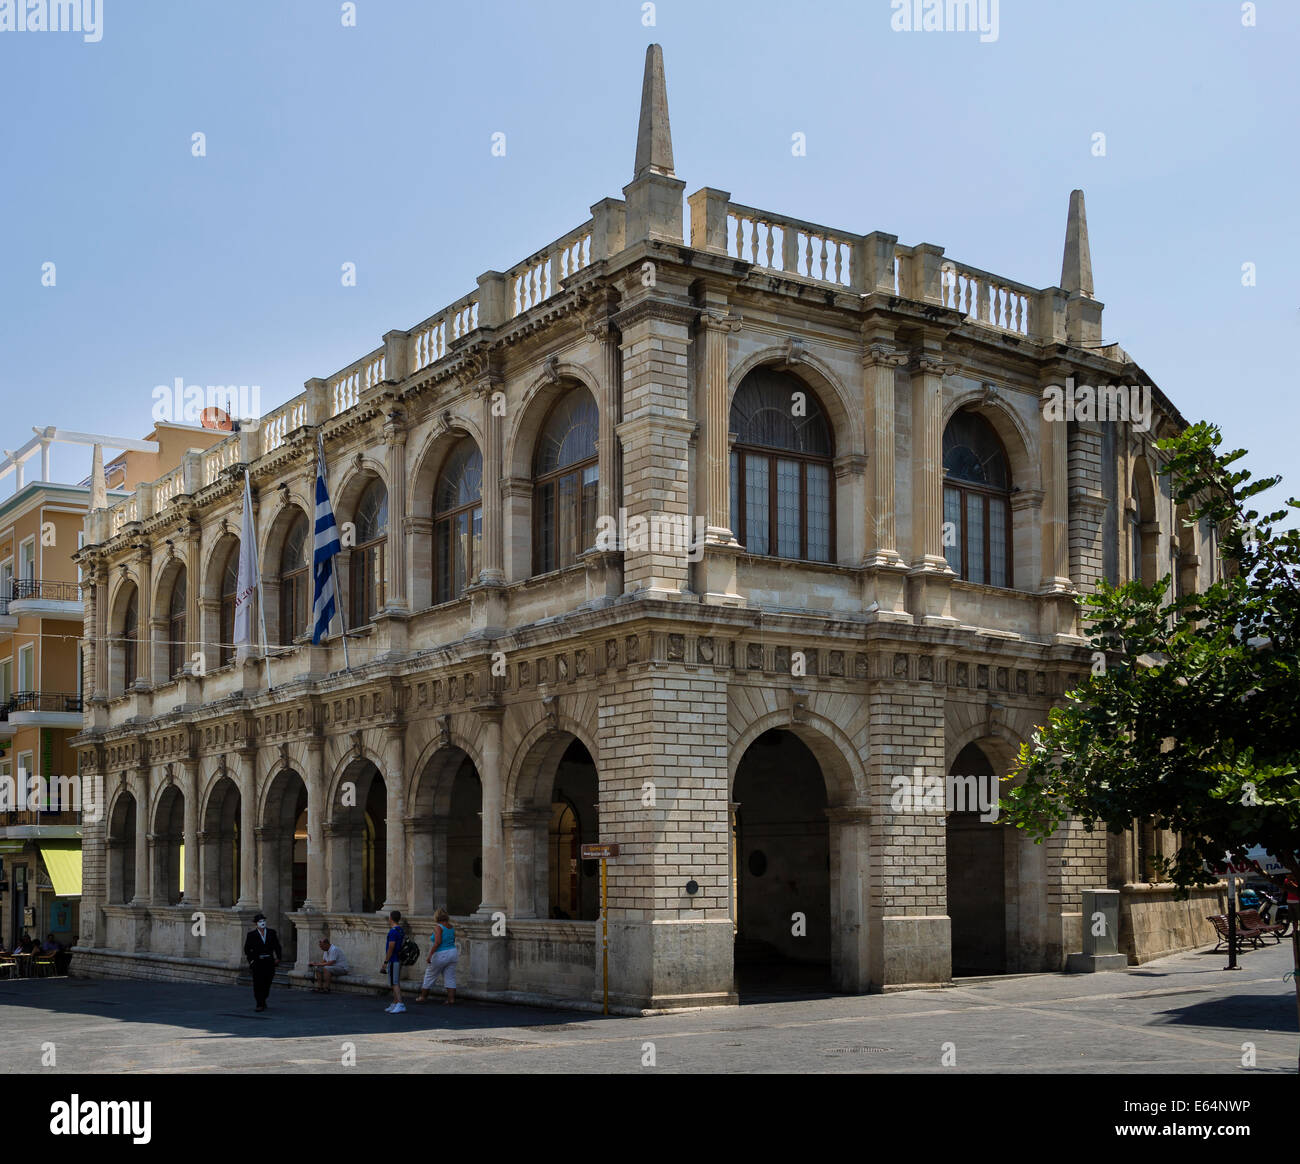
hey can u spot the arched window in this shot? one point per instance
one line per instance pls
(976, 501)
(176, 626)
(229, 585)
(782, 486)
(458, 521)
(1141, 527)
(368, 566)
(565, 477)
(130, 638)
(294, 574)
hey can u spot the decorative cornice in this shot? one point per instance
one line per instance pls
(661, 309)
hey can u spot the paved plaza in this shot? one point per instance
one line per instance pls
(1183, 1014)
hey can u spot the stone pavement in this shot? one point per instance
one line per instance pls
(1179, 1014)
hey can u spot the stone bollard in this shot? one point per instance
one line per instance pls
(1100, 934)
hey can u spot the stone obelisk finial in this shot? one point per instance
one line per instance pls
(654, 139)
(654, 196)
(1076, 265)
(98, 486)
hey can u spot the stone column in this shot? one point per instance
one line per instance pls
(488, 390)
(1056, 507)
(193, 611)
(144, 648)
(143, 842)
(521, 828)
(248, 895)
(928, 574)
(494, 897)
(193, 887)
(879, 363)
(101, 648)
(395, 813)
(715, 410)
(850, 877)
(337, 855)
(927, 464)
(609, 488)
(419, 832)
(395, 441)
(316, 813)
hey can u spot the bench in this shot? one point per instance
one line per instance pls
(1252, 923)
(1220, 922)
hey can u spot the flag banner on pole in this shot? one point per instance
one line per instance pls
(325, 544)
(246, 583)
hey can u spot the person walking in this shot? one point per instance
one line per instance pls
(441, 962)
(392, 966)
(262, 949)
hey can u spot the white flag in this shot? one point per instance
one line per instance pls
(246, 582)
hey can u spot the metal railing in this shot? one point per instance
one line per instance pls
(56, 701)
(50, 591)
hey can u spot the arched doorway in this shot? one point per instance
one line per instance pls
(168, 842)
(447, 835)
(465, 841)
(221, 845)
(781, 872)
(573, 884)
(284, 855)
(358, 857)
(976, 869)
(121, 850)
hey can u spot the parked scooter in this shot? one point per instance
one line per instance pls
(1272, 910)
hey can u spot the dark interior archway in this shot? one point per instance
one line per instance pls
(782, 891)
(976, 875)
(574, 884)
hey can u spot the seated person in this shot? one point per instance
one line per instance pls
(25, 944)
(50, 946)
(332, 962)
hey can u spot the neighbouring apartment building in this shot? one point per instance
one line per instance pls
(709, 540)
(41, 625)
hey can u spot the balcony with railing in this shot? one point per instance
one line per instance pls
(46, 599)
(52, 709)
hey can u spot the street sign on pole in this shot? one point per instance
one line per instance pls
(602, 852)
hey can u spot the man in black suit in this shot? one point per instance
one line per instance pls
(262, 949)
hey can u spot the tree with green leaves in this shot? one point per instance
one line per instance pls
(1191, 717)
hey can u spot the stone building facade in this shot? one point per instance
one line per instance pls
(715, 542)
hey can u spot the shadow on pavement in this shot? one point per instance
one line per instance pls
(222, 1011)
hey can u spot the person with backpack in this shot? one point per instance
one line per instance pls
(392, 966)
(441, 962)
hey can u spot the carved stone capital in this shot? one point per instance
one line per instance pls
(883, 356)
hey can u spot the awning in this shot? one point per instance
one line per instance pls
(63, 860)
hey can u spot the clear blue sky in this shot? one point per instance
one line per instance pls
(372, 145)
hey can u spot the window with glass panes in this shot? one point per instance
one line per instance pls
(368, 568)
(226, 624)
(566, 476)
(976, 501)
(176, 625)
(782, 482)
(458, 521)
(295, 556)
(130, 635)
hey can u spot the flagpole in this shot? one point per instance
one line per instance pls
(343, 626)
(261, 598)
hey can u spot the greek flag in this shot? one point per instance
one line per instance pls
(325, 545)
